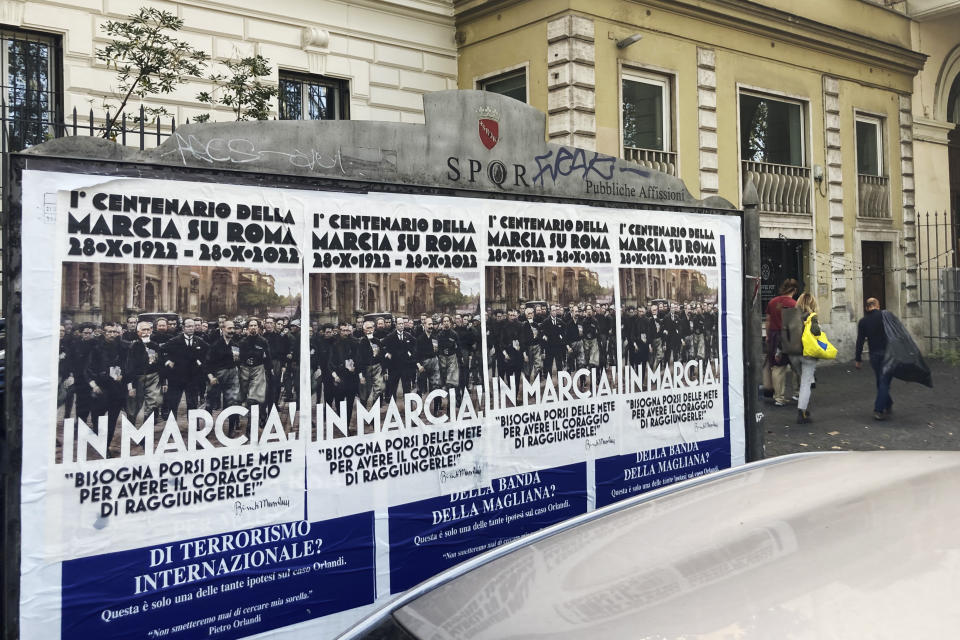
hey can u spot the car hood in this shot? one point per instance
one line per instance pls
(844, 545)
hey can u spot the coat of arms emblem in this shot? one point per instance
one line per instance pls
(488, 126)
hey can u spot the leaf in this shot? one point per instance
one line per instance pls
(147, 57)
(833, 433)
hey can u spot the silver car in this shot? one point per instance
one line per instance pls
(825, 545)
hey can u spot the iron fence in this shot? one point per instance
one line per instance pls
(21, 129)
(938, 279)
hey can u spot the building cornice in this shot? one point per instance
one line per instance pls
(934, 131)
(754, 18)
(435, 11)
(759, 19)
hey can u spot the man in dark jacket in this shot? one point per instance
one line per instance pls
(220, 367)
(399, 357)
(290, 380)
(104, 375)
(142, 375)
(531, 345)
(370, 365)
(428, 364)
(573, 339)
(66, 376)
(448, 355)
(182, 359)
(79, 355)
(255, 362)
(870, 329)
(279, 350)
(345, 368)
(590, 338)
(555, 341)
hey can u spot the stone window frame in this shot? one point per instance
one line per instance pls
(806, 145)
(53, 113)
(878, 121)
(480, 82)
(656, 76)
(340, 85)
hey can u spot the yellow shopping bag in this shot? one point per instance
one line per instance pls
(816, 346)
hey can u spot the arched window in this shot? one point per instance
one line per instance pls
(953, 101)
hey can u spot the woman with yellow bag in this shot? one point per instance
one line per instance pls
(815, 347)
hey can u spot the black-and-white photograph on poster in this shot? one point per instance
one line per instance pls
(143, 343)
(670, 316)
(545, 320)
(378, 338)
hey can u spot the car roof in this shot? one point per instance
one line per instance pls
(839, 545)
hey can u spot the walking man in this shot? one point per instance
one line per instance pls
(870, 328)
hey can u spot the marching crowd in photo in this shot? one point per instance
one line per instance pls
(150, 366)
(542, 338)
(664, 333)
(374, 357)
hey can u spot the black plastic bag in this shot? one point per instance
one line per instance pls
(902, 356)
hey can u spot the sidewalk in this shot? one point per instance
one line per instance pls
(842, 410)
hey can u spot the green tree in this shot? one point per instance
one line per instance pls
(148, 58)
(243, 90)
(257, 301)
(699, 291)
(590, 290)
(449, 300)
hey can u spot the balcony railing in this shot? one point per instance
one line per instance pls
(782, 188)
(874, 196)
(665, 161)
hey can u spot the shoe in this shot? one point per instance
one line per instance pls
(803, 417)
(779, 404)
(879, 416)
(796, 397)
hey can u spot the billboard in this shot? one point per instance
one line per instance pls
(253, 409)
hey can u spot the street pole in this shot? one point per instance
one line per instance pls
(752, 352)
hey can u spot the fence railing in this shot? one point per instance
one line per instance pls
(782, 188)
(19, 132)
(874, 196)
(665, 161)
(141, 129)
(938, 279)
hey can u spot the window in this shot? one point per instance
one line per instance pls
(512, 84)
(771, 130)
(30, 86)
(309, 97)
(646, 112)
(869, 146)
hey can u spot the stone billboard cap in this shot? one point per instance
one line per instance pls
(471, 140)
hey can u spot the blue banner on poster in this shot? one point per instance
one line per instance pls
(228, 585)
(429, 536)
(620, 477)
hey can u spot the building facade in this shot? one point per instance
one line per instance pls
(638, 287)
(811, 102)
(936, 145)
(510, 287)
(362, 60)
(339, 297)
(99, 292)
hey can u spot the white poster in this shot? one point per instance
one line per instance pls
(252, 409)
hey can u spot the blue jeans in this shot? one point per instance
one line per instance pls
(883, 401)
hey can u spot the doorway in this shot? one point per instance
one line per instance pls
(874, 273)
(779, 260)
